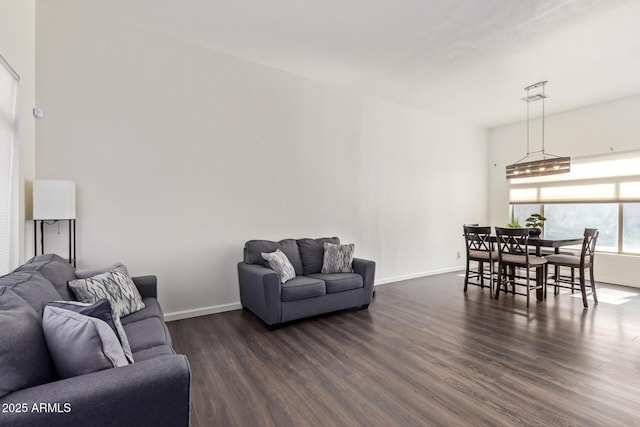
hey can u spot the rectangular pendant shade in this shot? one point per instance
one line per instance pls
(552, 166)
(54, 199)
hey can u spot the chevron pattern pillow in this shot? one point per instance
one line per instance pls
(337, 258)
(114, 285)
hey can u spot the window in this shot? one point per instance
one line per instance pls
(569, 220)
(631, 228)
(8, 96)
(600, 192)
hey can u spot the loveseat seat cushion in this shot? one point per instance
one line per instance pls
(151, 309)
(24, 357)
(55, 269)
(253, 250)
(32, 287)
(312, 253)
(338, 282)
(153, 352)
(302, 287)
(146, 333)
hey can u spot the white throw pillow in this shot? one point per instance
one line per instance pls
(114, 285)
(279, 262)
(338, 258)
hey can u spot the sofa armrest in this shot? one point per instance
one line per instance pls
(367, 269)
(153, 392)
(147, 286)
(260, 292)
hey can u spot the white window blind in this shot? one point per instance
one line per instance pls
(606, 178)
(8, 97)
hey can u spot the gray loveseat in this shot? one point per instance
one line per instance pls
(153, 391)
(311, 292)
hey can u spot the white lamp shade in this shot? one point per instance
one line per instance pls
(54, 199)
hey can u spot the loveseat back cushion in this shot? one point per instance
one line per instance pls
(338, 282)
(24, 357)
(302, 287)
(32, 287)
(312, 253)
(55, 269)
(253, 250)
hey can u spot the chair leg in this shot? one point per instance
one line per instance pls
(573, 278)
(499, 281)
(556, 289)
(481, 271)
(593, 286)
(466, 276)
(528, 287)
(583, 290)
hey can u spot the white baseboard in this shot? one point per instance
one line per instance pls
(202, 311)
(417, 275)
(178, 315)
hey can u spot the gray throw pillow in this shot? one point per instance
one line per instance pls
(24, 358)
(338, 258)
(102, 310)
(80, 344)
(114, 285)
(279, 262)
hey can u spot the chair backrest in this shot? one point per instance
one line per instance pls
(513, 241)
(478, 238)
(589, 244)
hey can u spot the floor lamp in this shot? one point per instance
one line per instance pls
(53, 201)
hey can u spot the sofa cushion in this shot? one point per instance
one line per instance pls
(151, 309)
(279, 263)
(102, 310)
(153, 352)
(147, 333)
(85, 274)
(114, 285)
(24, 357)
(80, 344)
(338, 282)
(302, 287)
(253, 250)
(32, 287)
(55, 269)
(312, 253)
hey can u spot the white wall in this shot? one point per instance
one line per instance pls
(599, 129)
(181, 154)
(17, 46)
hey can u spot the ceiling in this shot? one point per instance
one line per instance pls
(467, 59)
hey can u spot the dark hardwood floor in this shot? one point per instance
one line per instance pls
(423, 354)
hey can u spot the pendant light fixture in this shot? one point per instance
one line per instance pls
(537, 163)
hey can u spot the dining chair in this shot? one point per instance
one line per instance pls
(513, 258)
(581, 263)
(479, 251)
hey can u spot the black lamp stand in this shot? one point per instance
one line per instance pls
(72, 237)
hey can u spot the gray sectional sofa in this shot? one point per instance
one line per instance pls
(153, 391)
(311, 292)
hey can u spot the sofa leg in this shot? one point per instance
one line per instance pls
(364, 307)
(274, 327)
